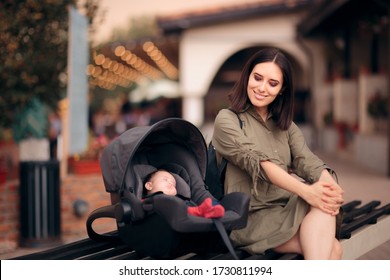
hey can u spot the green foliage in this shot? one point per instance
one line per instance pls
(33, 53)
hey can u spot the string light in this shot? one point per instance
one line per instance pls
(137, 63)
(108, 73)
(161, 60)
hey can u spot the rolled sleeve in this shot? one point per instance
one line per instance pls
(230, 141)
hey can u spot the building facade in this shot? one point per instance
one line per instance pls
(340, 66)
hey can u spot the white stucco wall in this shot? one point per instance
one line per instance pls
(345, 101)
(321, 91)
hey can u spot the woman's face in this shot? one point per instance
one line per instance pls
(264, 85)
(162, 181)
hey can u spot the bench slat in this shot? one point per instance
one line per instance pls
(354, 218)
(347, 207)
(369, 218)
(367, 208)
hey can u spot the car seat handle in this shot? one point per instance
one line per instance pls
(102, 212)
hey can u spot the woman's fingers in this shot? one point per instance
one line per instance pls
(332, 205)
(333, 210)
(330, 197)
(336, 193)
(326, 210)
(329, 210)
(333, 187)
(333, 200)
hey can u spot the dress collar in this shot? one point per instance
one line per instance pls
(269, 123)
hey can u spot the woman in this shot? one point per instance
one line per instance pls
(286, 214)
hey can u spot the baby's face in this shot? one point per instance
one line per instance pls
(162, 181)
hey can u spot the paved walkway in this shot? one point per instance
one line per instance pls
(358, 182)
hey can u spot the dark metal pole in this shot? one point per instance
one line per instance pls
(388, 90)
(388, 93)
(387, 43)
(386, 5)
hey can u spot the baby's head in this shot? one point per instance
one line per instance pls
(160, 181)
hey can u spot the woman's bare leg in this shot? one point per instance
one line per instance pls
(315, 238)
(291, 246)
(317, 235)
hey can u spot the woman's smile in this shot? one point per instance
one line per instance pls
(260, 96)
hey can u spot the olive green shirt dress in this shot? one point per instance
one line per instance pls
(275, 214)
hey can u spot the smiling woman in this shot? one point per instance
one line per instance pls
(286, 214)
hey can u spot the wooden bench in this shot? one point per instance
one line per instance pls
(364, 228)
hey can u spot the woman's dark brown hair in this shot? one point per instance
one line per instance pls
(282, 108)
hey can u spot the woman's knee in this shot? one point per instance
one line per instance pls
(318, 211)
(319, 217)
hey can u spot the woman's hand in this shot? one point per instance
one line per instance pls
(338, 191)
(326, 196)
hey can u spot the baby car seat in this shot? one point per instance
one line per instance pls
(159, 226)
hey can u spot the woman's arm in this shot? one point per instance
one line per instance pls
(322, 194)
(327, 177)
(304, 163)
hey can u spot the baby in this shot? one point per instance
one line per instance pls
(160, 181)
(163, 181)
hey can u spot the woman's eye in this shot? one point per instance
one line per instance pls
(273, 84)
